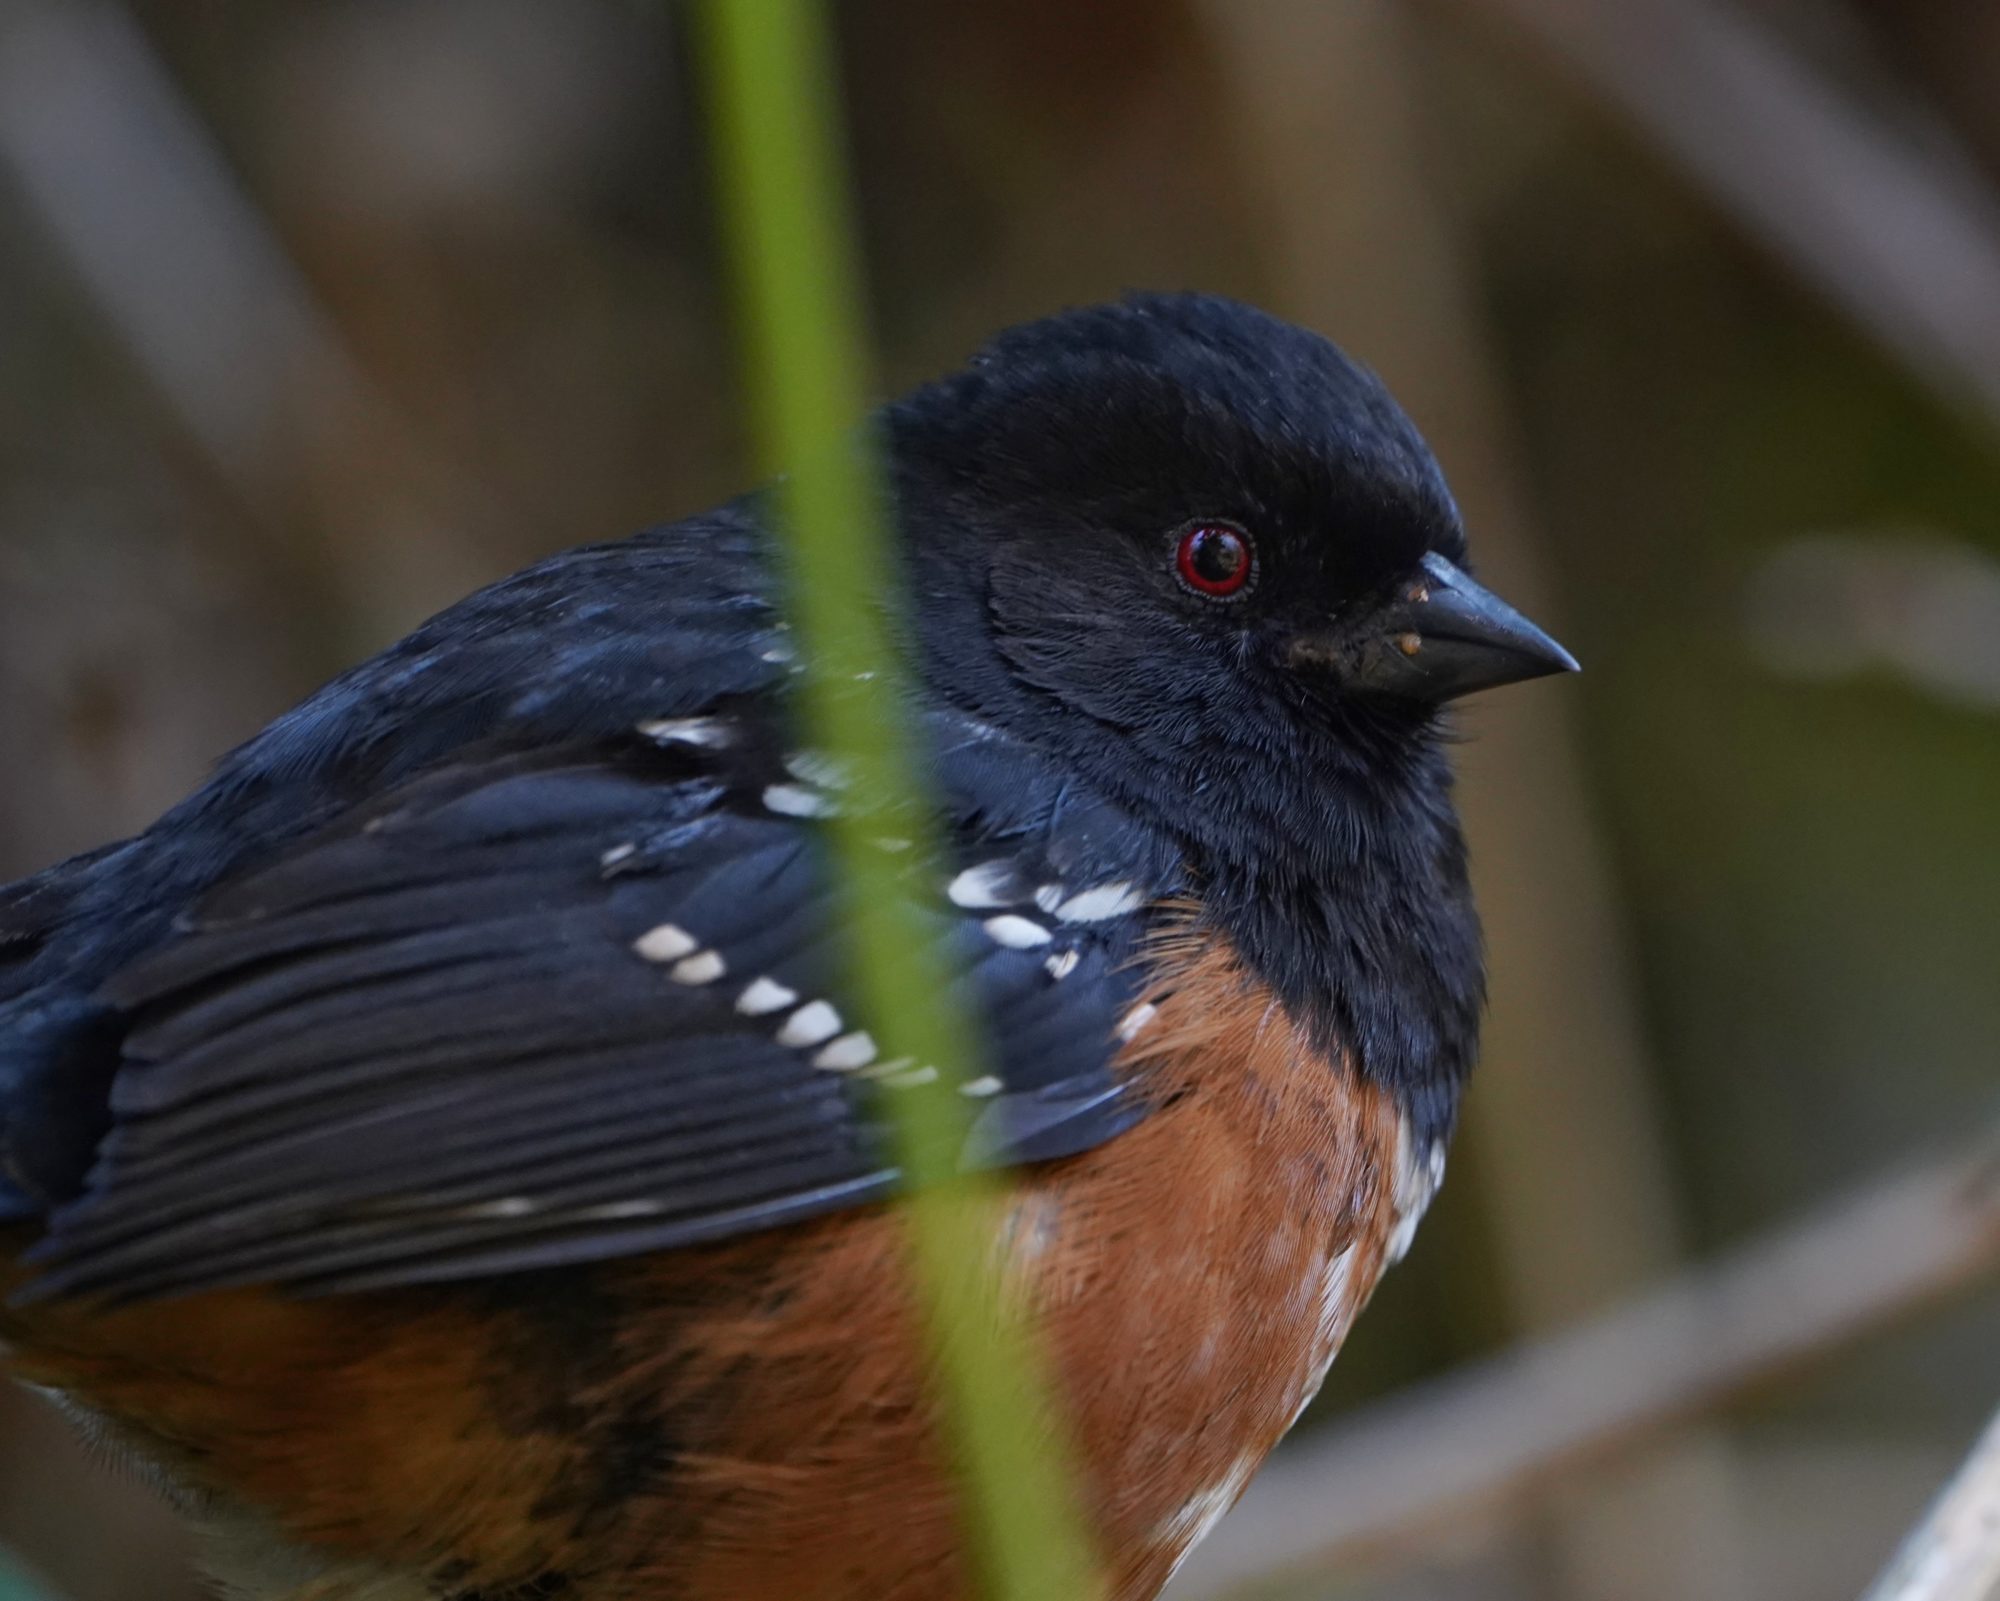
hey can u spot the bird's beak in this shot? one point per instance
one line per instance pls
(1442, 637)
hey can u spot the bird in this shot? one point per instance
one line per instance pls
(446, 1151)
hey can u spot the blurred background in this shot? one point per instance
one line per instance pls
(316, 313)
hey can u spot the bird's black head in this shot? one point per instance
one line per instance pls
(1180, 538)
(1205, 557)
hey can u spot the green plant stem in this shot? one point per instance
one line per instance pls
(770, 70)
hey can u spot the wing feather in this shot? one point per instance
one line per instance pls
(452, 1032)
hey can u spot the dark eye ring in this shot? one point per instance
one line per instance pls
(1214, 560)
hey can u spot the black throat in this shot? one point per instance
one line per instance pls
(1346, 892)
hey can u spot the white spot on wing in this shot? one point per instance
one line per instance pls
(795, 800)
(984, 885)
(1102, 902)
(763, 995)
(667, 943)
(617, 854)
(1135, 1020)
(711, 733)
(981, 1087)
(704, 967)
(505, 1206)
(910, 1078)
(1063, 963)
(847, 1053)
(1017, 933)
(617, 1211)
(816, 767)
(1049, 897)
(812, 1024)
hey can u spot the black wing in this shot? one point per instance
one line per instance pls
(534, 1009)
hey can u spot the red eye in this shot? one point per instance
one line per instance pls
(1214, 559)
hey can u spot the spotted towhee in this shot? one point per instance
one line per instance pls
(443, 1145)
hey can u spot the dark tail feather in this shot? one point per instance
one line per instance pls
(58, 1047)
(57, 1056)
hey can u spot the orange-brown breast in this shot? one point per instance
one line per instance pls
(749, 1420)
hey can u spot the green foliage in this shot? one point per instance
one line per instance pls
(769, 63)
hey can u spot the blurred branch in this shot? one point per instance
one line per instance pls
(1871, 203)
(1907, 600)
(129, 186)
(124, 180)
(1954, 1553)
(1500, 1428)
